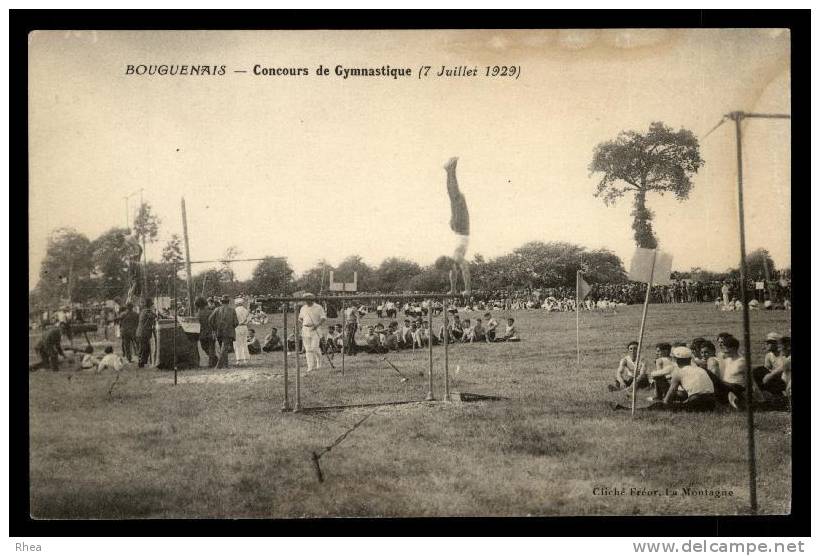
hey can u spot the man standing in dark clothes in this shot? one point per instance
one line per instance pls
(223, 322)
(206, 335)
(145, 330)
(129, 320)
(460, 224)
(49, 348)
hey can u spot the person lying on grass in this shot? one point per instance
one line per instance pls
(110, 361)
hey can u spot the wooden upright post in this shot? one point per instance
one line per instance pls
(430, 395)
(298, 406)
(446, 352)
(640, 334)
(189, 279)
(750, 422)
(286, 403)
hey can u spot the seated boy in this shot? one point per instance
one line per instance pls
(372, 340)
(777, 381)
(467, 332)
(627, 370)
(492, 324)
(663, 370)
(391, 339)
(698, 390)
(253, 343)
(479, 333)
(272, 342)
(110, 361)
(510, 333)
(732, 386)
(89, 361)
(456, 329)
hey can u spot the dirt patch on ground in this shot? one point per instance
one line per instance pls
(230, 376)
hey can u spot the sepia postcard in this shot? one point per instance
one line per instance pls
(409, 273)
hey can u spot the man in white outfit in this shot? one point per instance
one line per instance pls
(312, 317)
(240, 345)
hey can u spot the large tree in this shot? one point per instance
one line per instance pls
(661, 160)
(394, 274)
(354, 263)
(109, 265)
(68, 260)
(315, 279)
(603, 266)
(759, 264)
(146, 224)
(272, 275)
(172, 252)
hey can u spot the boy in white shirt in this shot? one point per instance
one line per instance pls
(511, 333)
(695, 383)
(110, 361)
(492, 324)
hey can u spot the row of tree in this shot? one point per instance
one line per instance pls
(85, 270)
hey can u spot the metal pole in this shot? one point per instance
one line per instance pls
(446, 354)
(174, 309)
(640, 334)
(430, 396)
(189, 279)
(738, 117)
(578, 315)
(298, 406)
(344, 337)
(286, 403)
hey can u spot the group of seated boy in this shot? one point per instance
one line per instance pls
(699, 376)
(410, 334)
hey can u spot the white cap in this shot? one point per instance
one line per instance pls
(681, 352)
(773, 336)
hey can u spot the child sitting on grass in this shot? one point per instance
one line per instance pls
(511, 333)
(89, 361)
(627, 370)
(110, 361)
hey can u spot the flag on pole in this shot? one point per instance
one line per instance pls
(582, 287)
(643, 269)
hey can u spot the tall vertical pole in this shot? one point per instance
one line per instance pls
(344, 336)
(578, 315)
(446, 338)
(286, 403)
(188, 278)
(298, 405)
(738, 117)
(430, 396)
(127, 222)
(174, 309)
(144, 259)
(640, 334)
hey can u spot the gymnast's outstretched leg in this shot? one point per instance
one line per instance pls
(460, 224)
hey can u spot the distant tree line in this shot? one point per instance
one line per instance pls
(93, 270)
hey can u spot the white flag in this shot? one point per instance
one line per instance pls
(642, 270)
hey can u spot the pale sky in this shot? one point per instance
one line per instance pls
(321, 167)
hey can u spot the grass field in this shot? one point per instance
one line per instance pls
(221, 447)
